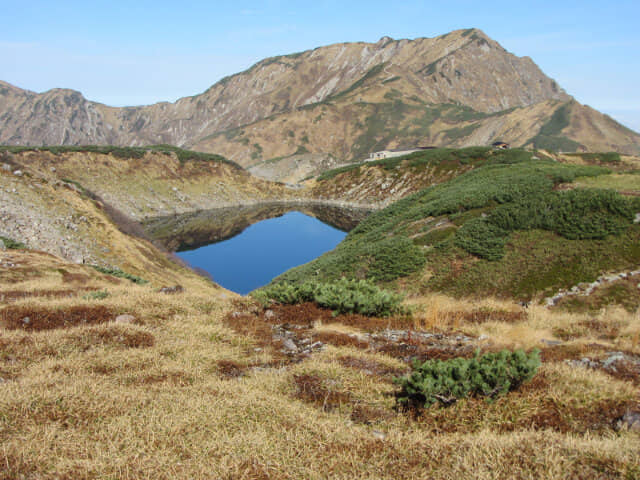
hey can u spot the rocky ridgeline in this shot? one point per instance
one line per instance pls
(472, 70)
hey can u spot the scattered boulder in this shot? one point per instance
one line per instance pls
(289, 345)
(172, 290)
(269, 315)
(26, 320)
(629, 421)
(613, 358)
(126, 318)
(18, 173)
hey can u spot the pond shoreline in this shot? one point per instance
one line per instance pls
(195, 229)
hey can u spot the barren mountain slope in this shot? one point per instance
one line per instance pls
(457, 89)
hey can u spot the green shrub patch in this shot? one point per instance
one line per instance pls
(577, 215)
(342, 296)
(489, 375)
(116, 272)
(12, 244)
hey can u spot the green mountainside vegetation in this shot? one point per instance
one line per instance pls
(505, 228)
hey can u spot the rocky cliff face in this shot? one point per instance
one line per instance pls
(341, 100)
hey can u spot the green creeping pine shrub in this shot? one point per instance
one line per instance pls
(488, 375)
(577, 215)
(342, 296)
(116, 272)
(12, 244)
(482, 239)
(379, 250)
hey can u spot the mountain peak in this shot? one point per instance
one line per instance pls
(384, 41)
(350, 85)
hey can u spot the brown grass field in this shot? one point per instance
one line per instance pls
(198, 387)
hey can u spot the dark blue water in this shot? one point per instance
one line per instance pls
(264, 250)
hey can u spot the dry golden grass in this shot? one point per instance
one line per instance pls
(182, 392)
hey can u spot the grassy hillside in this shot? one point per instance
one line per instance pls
(124, 152)
(195, 385)
(505, 228)
(384, 181)
(144, 182)
(142, 369)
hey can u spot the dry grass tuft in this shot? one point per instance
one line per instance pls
(249, 325)
(423, 352)
(483, 316)
(317, 391)
(34, 319)
(570, 351)
(596, 328)
(16, 295)
(177, 379)
(371, 367)
(231, 369)
(339, 339)
(368, 415)
(109, 336)
(625, 370)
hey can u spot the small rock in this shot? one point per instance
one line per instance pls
(172, 290)
(6, 167)
(613, 358)
(288, 344)
(379, 435)
(629, 421)
(18, 173)
(551, 343)
(26, 320)
(3, 247)
(269, 315)
(126, 318)
(483, 337)
(53, 169)
(637, 219)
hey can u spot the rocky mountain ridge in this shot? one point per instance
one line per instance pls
(342, 100)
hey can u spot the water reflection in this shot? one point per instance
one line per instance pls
(193, 230)
(245, 248)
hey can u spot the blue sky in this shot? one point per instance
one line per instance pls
(139, 52)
